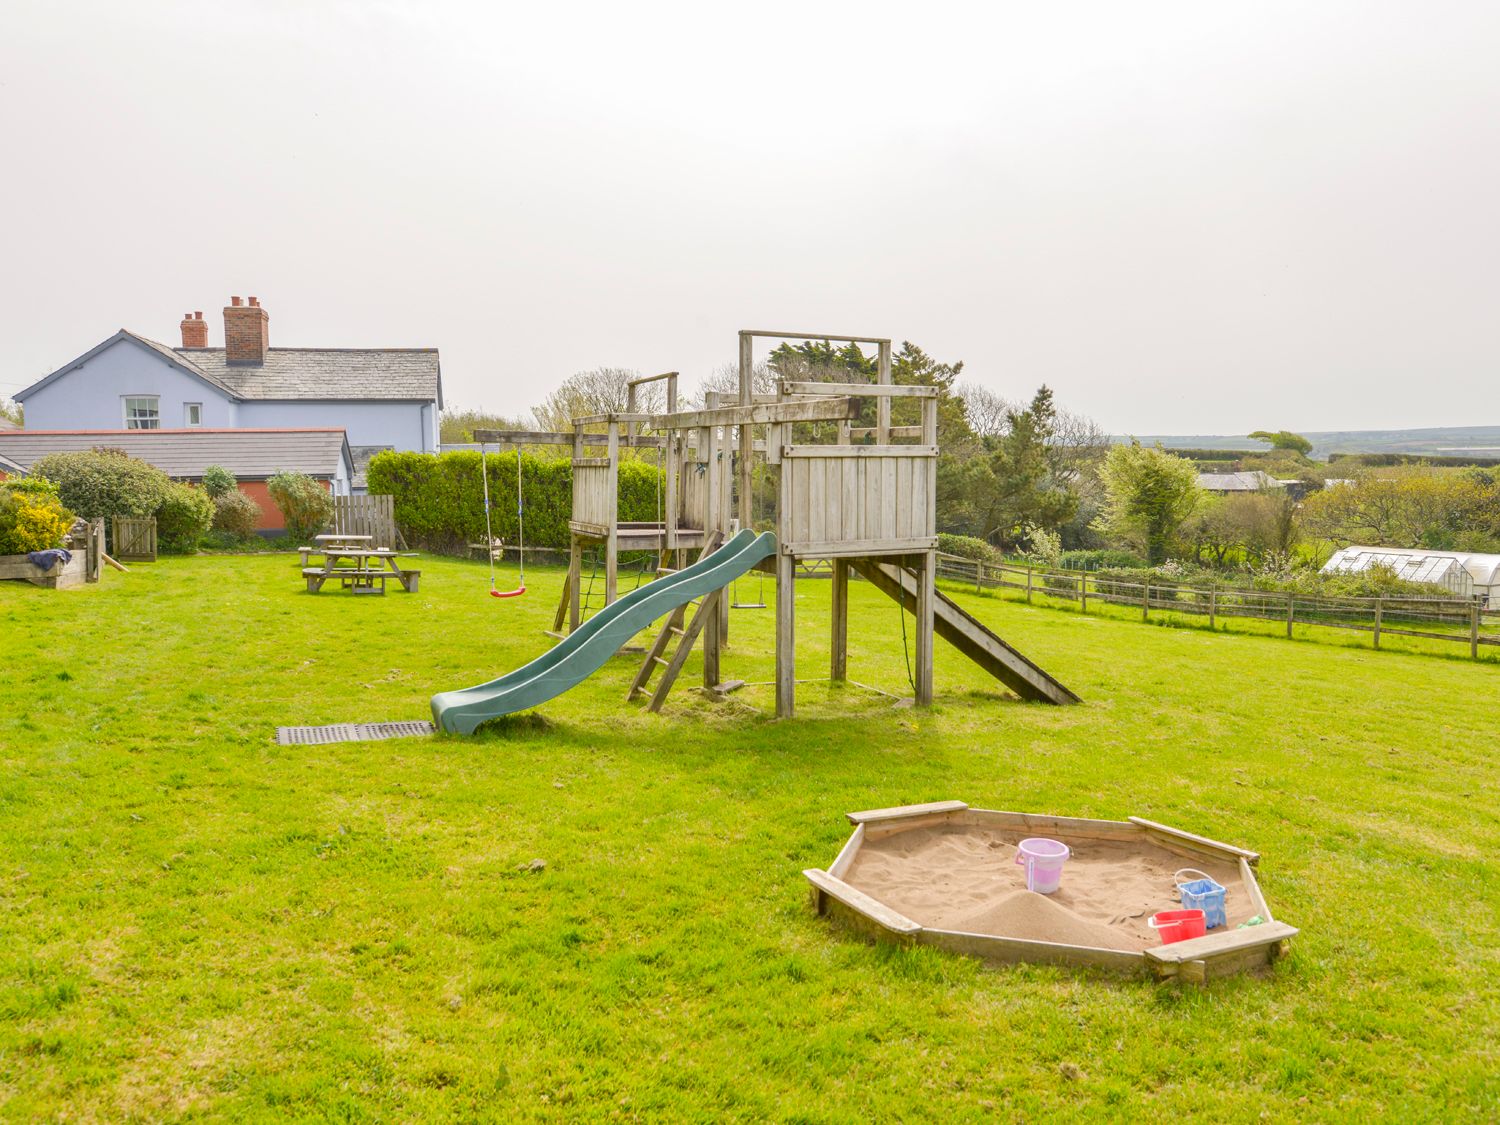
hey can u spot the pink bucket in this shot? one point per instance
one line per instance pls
(1043, 860)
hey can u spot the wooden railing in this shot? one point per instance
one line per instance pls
(1457, 620)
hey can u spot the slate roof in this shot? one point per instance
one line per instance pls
(250, 454)
(1237, 482)
(401, 374)
(10, 468)
(308, 374)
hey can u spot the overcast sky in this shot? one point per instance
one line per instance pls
(1185, 217)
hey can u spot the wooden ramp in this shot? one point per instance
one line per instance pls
(965, 633)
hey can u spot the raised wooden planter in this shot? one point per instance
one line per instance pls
(61, 576)
(1197, 960)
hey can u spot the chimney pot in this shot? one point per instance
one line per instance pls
(235, 301)
(198, 315)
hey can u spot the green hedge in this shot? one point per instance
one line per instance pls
(440, 497)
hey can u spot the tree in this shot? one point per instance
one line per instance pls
(1284, 439)
(12, 411)
(457, 427)
(1148, 494)
(1014, 482)
(604, 390)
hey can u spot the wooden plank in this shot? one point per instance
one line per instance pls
(1202, 843)
(905, 812)
(859, 548)
(817, 502)
(1040, 824)
(873, 909)
(926, 602)
(879, 830)
(1252, 890)
(1230, 941)
(1008, 950)
(901, 452)
(838, 666)
(786, 635)
(805, 410)
(813, 336)
(858, 432)
(903, 390)
(840, 866)
(851, 504)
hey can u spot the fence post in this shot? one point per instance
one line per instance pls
(1028, 583)
(1213, 604)
(1291, 602)
(1474, 630)
(1379, 607)
(1083, 592)
(1145, 599)
(978, 577)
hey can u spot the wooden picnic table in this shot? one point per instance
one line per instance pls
(362, 577)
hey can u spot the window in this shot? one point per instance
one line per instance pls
(142, 412)
(192, 413)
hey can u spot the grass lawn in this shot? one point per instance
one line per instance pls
(198, 923)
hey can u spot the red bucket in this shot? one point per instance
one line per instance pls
(1178, 925)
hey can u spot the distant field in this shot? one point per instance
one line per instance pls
(199, 924)
(1443, 441)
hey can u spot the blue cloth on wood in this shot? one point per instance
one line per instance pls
(46, 560)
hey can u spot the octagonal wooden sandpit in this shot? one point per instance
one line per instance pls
(944, 874)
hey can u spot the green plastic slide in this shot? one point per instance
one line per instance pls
(590, 646)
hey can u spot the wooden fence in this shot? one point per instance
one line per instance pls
(373, 515)
(133, 540)
(1457, 620)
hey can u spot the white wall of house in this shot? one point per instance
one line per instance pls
(404, 425)
(92, 396)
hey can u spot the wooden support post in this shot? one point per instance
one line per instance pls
(786, 635)
(1379, 607)
(926, 608)
(883, 403)
(1145, 599)
(575, 583)
(1474, 629)
(978, 577)
(612, 506)
(1083, 592)
(838, 666)
(1213, 604)
(1291, 603)
(1028, 583)
(747, 433)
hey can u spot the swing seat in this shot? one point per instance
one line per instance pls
(516, 593)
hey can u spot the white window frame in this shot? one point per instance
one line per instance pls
(155, 400)
(187, 414)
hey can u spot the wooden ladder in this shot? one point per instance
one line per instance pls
(686, 638)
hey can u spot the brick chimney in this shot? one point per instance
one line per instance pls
(194, 330)
(247, 331)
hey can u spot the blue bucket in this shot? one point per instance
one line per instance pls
(1203, 894)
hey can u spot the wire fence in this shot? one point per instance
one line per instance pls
(1456, 620)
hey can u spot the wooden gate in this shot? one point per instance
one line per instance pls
(368, 515)
(134, 540)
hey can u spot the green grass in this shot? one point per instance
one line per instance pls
(198, 923)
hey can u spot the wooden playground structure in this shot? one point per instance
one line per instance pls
(863, 497)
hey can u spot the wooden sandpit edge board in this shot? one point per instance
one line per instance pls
(857, 901)
(840, 866)
(1218, 955)
(1063, 825)
(1196, 843)
(904, 812)
(995, 948)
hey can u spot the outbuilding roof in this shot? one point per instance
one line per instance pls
(1417, 565)
(10, 468)
(1253, 481)
(250, 454)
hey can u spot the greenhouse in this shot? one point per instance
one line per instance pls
(1465, 573)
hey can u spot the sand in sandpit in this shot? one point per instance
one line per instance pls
(963, 877)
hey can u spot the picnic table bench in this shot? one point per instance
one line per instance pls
(368, 573)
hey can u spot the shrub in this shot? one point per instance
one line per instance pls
(306, 507)
(236, 514)
(440, 502)
(105, 483)
(218, 481)
(183, 518)
(31, 519)
(1099, 560)
(967, 547)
